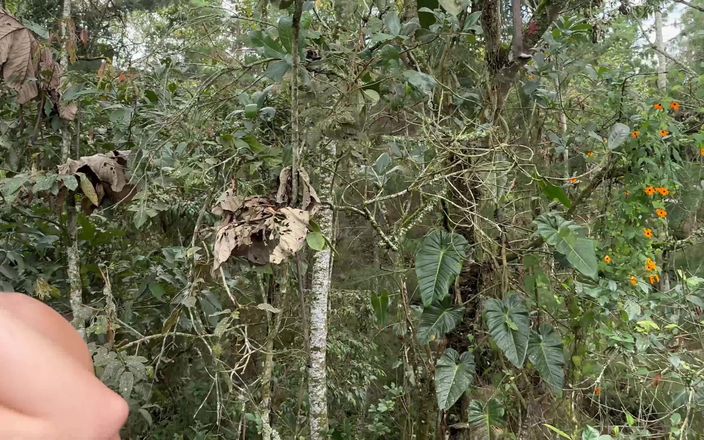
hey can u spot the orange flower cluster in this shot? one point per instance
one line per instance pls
(650, 265)
(573, 181)
(654, 279)
(635, 134)
(701, 151)
(675, 106)
(661, 213)
(608, 260)
(634, 281)
(648, 233)
(597, 391)
(651, 190)
(659, 107)
(664, 133)
(589, 154)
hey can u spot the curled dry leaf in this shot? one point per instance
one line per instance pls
(264, 230)
(101, 177)
(308, 197)
(27, 67)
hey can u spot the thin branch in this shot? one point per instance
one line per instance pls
(687, 3)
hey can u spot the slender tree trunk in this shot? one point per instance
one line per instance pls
(74, 268)
(271, 296)
(320, 290)
(659, 43)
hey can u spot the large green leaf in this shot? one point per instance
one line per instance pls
(580, 252)
(554, 192)
(568, 239)
(453, 376)
(438, 262)
(509, 326)
(545, 353)
(438, 320)
(485, 418)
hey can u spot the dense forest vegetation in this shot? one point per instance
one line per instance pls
(366, 219)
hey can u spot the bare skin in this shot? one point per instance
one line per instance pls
(47, 386)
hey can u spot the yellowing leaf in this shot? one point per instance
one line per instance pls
(88, 189)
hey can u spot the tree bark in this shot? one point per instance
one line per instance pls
(72, 254)
(271, 295)
(320, 289)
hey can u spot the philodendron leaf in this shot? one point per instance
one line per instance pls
(509, 327)
(438, 262)
(438, 320)
(545, 353)
(453, 376)
(485, 418)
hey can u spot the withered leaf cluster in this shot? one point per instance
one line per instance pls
(101, 177)
(264, 229)
(28, 67)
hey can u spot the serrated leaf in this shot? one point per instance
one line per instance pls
(438, 262)
(546, 355)
(88, 189)
(453, 376)
(485, 418)
(509, 327)
(438, 320)
(618, 135)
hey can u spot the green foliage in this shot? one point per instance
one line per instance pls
(453, 376)
(509, 326)
(487, 417)
(438, 262)
(438, 320)
(545, 352)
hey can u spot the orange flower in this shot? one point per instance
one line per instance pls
(654, 279)
(650, 265)
(675, 106)
(573, 181)
(664, 133)
(648, 233)
(650, 191)
(635, 134)
(597, 391)
(661, 213)
(658, 107)
(608, 260)
(589, 154)
(627, 193)
(663, 191)
(701, 151)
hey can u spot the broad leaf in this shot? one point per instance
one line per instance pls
(438, 320)
(485, 418)
(316, 241)
(545, 353)
(438, 262)
(452, 7)
(618, 135)
(555, 193)
(421, 81)
(453, 376)
(380, 304)
(580, 253)
(509, 327)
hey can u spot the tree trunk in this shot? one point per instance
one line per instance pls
(659, 43)
(72, 254)
(271, 295)
(320, 289)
